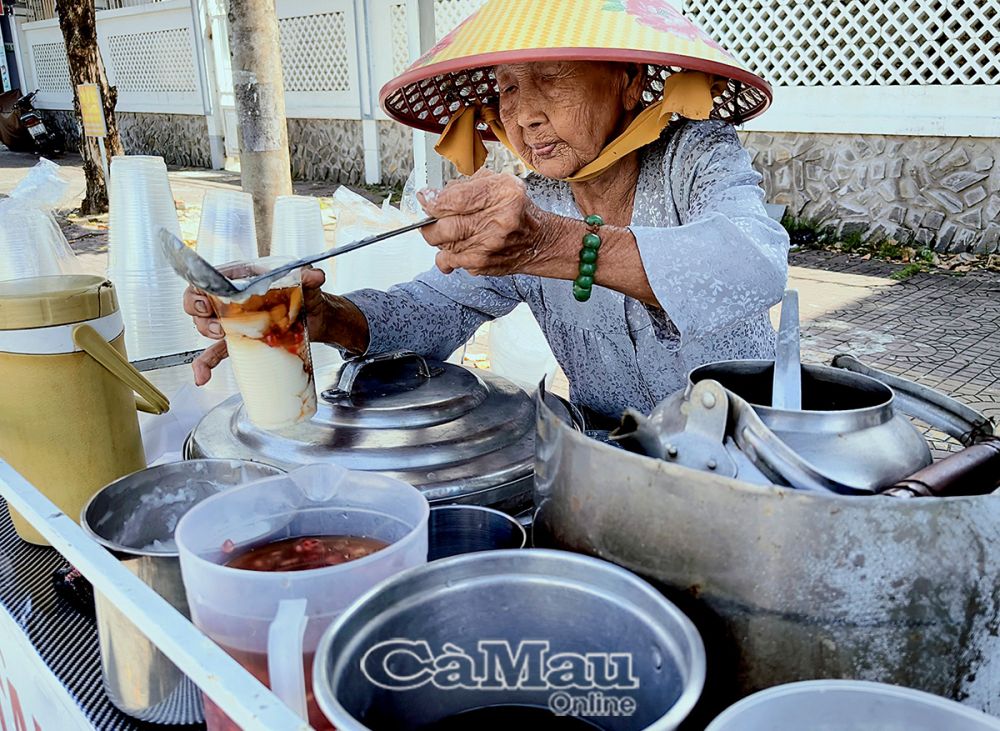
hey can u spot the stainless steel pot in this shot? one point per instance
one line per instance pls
(135, 517)
(460, 436)
(533, 607)
(788, 585)
(848, 430)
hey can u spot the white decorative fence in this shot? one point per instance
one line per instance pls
(888, 67)
(319, 58)
(150, 53)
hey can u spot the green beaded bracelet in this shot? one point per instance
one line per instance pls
(584, 283)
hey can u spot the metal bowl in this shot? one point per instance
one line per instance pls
(135, 517)
(849, 705)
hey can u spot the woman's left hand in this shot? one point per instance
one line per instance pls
(486, 225)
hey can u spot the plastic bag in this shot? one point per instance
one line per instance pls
(31, 242)
(382, 265)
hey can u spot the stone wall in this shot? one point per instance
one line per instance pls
(327, 149)
(396, 152)
(941, 191)
(180, 139)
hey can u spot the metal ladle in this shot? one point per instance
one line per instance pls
(199, 273)
(786, 391)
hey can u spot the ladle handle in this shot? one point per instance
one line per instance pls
(973, 471)
(353, 246)
(786, 392)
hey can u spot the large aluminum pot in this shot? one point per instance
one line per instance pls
(134, 517)
(516, 627)
(788, 585)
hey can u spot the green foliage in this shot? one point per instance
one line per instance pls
(808, 233)
(908, 271)
(889, 249)
(852, 242)
(393, 192)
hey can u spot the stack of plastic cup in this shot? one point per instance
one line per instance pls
(227, 231)
(150, 294)
(31, 245)
(298, 227)
(298, 232)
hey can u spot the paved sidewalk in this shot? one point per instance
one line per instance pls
(937, 329)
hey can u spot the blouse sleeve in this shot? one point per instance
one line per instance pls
(727, 260)
(435, 313)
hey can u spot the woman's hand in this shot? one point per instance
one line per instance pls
(329, 319)
(487, 225)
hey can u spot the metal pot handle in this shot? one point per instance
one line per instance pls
(932, 407)
(352, 370)
(779, 462)
(973, 471)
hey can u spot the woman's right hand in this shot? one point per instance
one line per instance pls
(197, 304)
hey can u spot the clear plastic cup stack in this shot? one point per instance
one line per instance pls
(150, 293)
(31, 245)
(227, 231)
(297, 232)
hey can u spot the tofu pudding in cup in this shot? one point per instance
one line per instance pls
(269, 345)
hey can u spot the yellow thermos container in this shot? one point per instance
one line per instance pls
(68, 395)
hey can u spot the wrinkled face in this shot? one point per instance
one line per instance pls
(559, 115)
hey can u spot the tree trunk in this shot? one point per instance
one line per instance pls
(78, 22)
(260, 108)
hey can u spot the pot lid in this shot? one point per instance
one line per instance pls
(443, 428)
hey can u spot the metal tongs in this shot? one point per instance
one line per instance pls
(199, 273)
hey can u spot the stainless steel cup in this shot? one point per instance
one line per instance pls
(457, 529)
(134, 517)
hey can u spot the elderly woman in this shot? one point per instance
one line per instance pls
(639, 240)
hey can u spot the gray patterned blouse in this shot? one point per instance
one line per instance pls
(714, 259)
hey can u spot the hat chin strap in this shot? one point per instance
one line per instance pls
(689, 94)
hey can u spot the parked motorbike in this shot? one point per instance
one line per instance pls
(22, 128)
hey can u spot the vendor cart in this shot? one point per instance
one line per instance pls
(50, 666)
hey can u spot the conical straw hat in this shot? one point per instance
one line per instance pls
(458, 71)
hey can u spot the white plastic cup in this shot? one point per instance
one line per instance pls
(268, 344)
(272, 621)
(297, 230)
(153, 310)
(227, 231)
